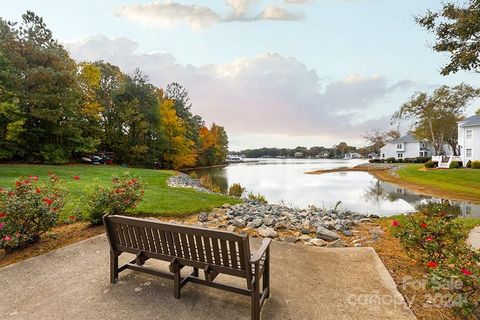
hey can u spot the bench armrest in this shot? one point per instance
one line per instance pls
(261, 252)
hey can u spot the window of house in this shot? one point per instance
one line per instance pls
(468, 153)
(423, 146)
(421, 153)
(383, 155)
(400, 155)
(468, 134)
(399, 146)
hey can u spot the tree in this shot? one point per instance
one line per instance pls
(378, 139)
(45, 86)
(177, 150)
(213, 146)
(457, 31)
(342, 148)
(435, 116)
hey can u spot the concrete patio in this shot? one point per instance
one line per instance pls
(307, 283)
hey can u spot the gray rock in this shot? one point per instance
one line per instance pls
(325, 234)
(231, 228)
(267, 232)
(257, 222)
(336, 244)
(203, 217)
(347, 233)
(268, 221)
(239, 223)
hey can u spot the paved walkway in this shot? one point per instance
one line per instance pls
(474, 238)
(307, 283)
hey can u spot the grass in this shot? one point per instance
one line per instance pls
(159, 199)
(458, 183)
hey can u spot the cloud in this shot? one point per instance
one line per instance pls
(169, 14)
(296, 1)
(266, 95)
(277, 13)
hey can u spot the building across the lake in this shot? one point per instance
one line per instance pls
(406, 147)
(469, 139)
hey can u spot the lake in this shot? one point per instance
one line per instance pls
(285, 181)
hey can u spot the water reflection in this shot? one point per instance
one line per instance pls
(285, 181)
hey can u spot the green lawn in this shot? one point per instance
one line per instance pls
(459, 183)
(159, 199)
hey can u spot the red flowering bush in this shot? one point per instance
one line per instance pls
(28, 210)
(125, 193)
(437, 240)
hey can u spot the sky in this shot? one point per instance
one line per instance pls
(274, 73)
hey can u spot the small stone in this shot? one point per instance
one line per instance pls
(376, 233)
(357, 244)
(226, 205)
(199, 224)
(231, 228)
(305, 237)
(138, 289)
(318, 242)
(325, 234)
(239, 223)
(347, 233)
(290, 239)
(365, 220)
(203, 217)
(268, 221)
(257, 222)
(336, 244)
(267, 232)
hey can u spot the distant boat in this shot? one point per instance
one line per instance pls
(234, 159)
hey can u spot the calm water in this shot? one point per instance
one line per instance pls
(285, 181)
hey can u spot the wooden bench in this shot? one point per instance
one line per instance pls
(214, 252)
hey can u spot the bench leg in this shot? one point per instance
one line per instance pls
(255, 301)
(195, 272)
(176, 284)
(113, 267)
(266, 274)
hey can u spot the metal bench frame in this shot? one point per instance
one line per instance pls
(214, 252)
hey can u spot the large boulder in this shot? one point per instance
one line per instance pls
(325, 234)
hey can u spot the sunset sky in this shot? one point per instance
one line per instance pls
(273, 72)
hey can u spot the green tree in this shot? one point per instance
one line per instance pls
(46, 87)
(435, 116)
(457, 31)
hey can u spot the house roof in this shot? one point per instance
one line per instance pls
(406, 138)
(471, 121)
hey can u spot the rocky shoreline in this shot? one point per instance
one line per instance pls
(311, 226)
(182, 180)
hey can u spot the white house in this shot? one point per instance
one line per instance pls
(352, 155)
(406, 147)
(469, 139)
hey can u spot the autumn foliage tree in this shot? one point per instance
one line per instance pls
(176, 149)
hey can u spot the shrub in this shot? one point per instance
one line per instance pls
(469, 164)
(236, 190)
(454, 165)
(28, 210)
(422, 159)
(436, 239)
(125, 193)
(400, 161)
(390, 160)
(207, 183)
(475, 164)
(258, 198)
(430, 164)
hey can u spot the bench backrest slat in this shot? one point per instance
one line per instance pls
(198, 246)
